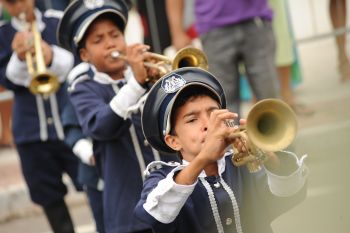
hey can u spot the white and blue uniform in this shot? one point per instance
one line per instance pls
(234, 201)
(36, 123)
(35, 118)
(102, 105)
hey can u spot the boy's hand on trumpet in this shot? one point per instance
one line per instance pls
(136, 55)
(47, 52)
(242, 148)
(22, 43)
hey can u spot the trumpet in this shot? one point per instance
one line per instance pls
(42, 81)
(188, 56)
(271, 126)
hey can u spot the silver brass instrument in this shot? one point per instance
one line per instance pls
(271, 126)
(185, 57)
(42, 81)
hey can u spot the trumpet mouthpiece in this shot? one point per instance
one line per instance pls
(115, 54)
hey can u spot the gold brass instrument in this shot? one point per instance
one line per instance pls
(271, 126)
(43, 82)
(188, 56)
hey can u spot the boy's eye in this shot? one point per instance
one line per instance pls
(191, 120)
(96, 40)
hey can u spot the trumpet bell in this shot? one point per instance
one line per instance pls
(44, 83)
(271, 125)
(190, 56)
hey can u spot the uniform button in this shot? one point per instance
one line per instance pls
(49, 120)
(229, 221)
(217, 185)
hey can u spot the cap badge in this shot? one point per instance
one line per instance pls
(93, 4)
(172, 83)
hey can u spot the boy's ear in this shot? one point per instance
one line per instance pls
(83, 55)
(173, 142)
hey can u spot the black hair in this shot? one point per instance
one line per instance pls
(187, 94)
(106, 16)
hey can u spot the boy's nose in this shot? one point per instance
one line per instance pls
(110, 43)
(205, 122)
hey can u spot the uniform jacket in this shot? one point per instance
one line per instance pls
(119, 145)
(87, 174)
(252, 206)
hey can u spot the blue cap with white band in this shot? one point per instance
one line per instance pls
(79, 15)
(156, 115)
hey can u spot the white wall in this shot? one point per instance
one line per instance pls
(310, 17)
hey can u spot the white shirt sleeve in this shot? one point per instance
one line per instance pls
(167, 199)
(17, 72)
(284, 186)
(62, 62)
(127, 96)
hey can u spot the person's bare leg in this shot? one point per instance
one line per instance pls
(286, 91)
(337, 10)
(285, 85)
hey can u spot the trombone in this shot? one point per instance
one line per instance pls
(43, 82)
(188, 56)
(271, 126)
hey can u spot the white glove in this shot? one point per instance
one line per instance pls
(83, 149)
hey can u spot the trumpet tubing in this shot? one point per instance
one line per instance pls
(43, 82)
(185, 57)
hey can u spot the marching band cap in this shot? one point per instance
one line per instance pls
(156, 115)
(81, 13)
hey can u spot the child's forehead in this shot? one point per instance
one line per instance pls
(102, 23)
(106, 21)
(199, 102)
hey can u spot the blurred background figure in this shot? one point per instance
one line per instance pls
(6, 115)
(5, 104)
(337, 10)
(286, 56)
(154, 24)
(233, 33)
(37, 127)
(182, 28)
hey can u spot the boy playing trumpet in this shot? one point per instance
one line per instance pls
(36, 124)
(185, 113)
(102, 90)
